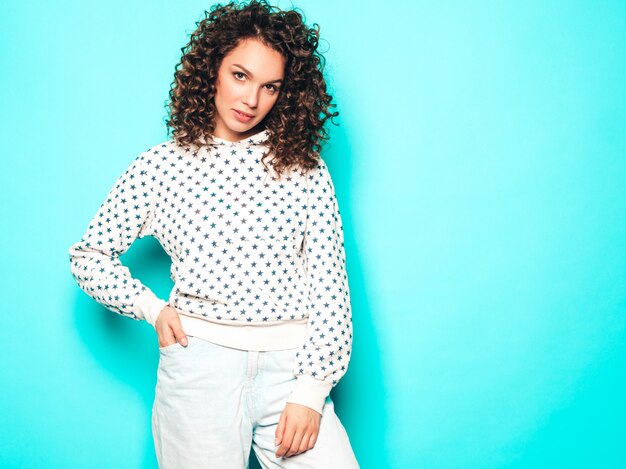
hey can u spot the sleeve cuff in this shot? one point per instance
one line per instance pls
(310, 392)
(148, 305)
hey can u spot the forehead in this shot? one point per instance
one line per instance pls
(262, 61)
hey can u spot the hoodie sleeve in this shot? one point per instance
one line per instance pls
(323, 359)
(124, 216)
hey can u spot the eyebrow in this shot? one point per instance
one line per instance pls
(279, 80)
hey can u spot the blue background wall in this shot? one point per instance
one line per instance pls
(480, 166)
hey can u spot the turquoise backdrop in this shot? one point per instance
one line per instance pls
(480, 167)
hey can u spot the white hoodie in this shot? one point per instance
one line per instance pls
(258, 261)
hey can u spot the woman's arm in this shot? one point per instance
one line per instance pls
(323, 358)
(124, 216)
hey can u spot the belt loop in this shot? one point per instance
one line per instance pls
(253, 363)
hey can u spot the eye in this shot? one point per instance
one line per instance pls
(238, 73)
(273, 88)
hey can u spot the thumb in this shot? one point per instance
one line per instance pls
(280, 429)
(177, 329)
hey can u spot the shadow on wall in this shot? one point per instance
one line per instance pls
(359, 397)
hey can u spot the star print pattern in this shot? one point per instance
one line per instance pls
(246, 245)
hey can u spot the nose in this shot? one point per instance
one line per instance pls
(250, 97)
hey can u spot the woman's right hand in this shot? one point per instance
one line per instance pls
(169, 329)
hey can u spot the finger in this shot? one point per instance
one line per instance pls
(166, 337)
(280, 430)
(287, 439)
(177, 329)
(313, 440)
(304, 444)
(180, 335)
(295, 444)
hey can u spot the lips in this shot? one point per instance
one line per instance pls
(245, 114)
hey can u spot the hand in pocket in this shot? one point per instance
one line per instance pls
(169, 329)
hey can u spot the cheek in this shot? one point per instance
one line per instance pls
(225, 91)
(268, 104)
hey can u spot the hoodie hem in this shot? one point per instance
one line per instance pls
(277, 335)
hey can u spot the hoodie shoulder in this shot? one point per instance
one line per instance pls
(160, 146)
(319, 169)
(164, 150)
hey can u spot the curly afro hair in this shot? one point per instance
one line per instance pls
(295, 124)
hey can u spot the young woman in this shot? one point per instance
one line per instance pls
(258, 327)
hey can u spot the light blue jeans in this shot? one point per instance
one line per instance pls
(213, 403)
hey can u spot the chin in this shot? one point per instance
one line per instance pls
(241, 128)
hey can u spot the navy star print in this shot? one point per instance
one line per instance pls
(246, 244)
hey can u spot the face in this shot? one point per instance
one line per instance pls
(249, 81)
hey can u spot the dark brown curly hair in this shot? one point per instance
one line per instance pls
(295, 124)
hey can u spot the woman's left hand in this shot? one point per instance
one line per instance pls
(297, 429)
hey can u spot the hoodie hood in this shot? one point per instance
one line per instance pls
(257, 142)
(259, 138)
